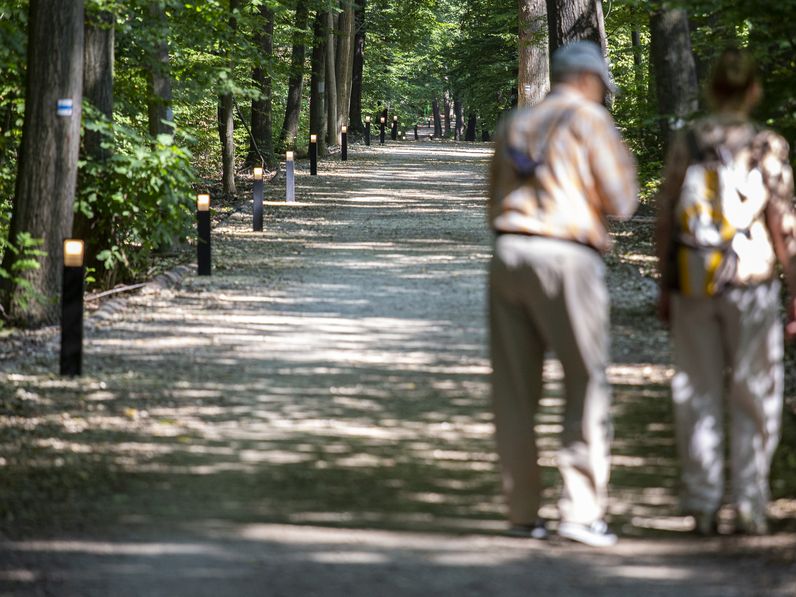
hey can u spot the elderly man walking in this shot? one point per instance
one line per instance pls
(559, 169)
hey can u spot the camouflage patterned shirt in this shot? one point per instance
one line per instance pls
(584, 173)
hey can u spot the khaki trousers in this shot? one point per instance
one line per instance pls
(550, 294)
(727, 347)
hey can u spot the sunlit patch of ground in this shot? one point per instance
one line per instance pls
(333, 372)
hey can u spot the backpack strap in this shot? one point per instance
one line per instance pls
(523, 161)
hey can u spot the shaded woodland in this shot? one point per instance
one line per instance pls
(172, 96)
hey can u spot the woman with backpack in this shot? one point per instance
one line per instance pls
(725, 217)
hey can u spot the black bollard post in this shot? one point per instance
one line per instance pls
(72, 309)
(258, 200)
(394, 134)
(367, 131)
(381, 133)
(203, 235)
(417, 136)
(290, 178)
(313, 155)
(344, 143)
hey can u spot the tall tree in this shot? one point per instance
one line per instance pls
(287, 137)
(318, 80)
(159, 98)
(437, 118)
(47, 165)
(331, 76)
(572, 20)
(673, 65)
(448, 112)
(226, 119)
(98, 59)
(533, 80)
(472, 123)
(262, 137)
(355, 113)
(345, 61)
(459, 128)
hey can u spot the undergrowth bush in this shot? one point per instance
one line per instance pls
(135, 202)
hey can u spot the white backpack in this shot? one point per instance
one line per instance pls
(719, 200)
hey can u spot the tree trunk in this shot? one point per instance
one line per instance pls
(47, 167)
(98, 58)
(98, 64)
(331, 79)
(674, 69)
(345, 62)
(226, 123)
(533, 80)
(355, 113)
(318, 81)
(287, 137)
(447, 109)
(459, 128)
(572, 20)
(159, 79)
(638, 50)
(437, 118)
(472, 121)
(262, 121)
(226, 130)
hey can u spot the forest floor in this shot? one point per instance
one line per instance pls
(313, 419)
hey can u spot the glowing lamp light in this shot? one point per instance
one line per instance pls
(367, 119)
(203, 202)
(382, 119)
(395, 119)
(73, 253)
(289, 156)
(258, 173)
(313, 138)
(344, 129)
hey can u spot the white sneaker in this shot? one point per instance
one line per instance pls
(595, 534)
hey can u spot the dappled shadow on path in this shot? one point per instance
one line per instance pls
(332, 372)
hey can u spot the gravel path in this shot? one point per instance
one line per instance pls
(313, 419)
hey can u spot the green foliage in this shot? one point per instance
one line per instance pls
(484, 58)
(27, 251)
(138, 200)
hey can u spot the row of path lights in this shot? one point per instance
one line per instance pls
(71, 356)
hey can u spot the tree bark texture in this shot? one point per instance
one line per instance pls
(472, 122)
(459, 128)
(437, 118)
(674, 69)
(287, 137)
(573, 20)
(533, 81)
(98, 57)
(98, 65)
(47, 167)
(355, 113)
(318, 81)
(345, 62)
(159, 78)
(226, 130)
(226, 124)
(262, 112)
(331, 79)
(448, 111)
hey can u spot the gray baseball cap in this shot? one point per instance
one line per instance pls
(580, 56)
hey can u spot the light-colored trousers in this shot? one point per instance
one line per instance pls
(729, 346)
(550, 294)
